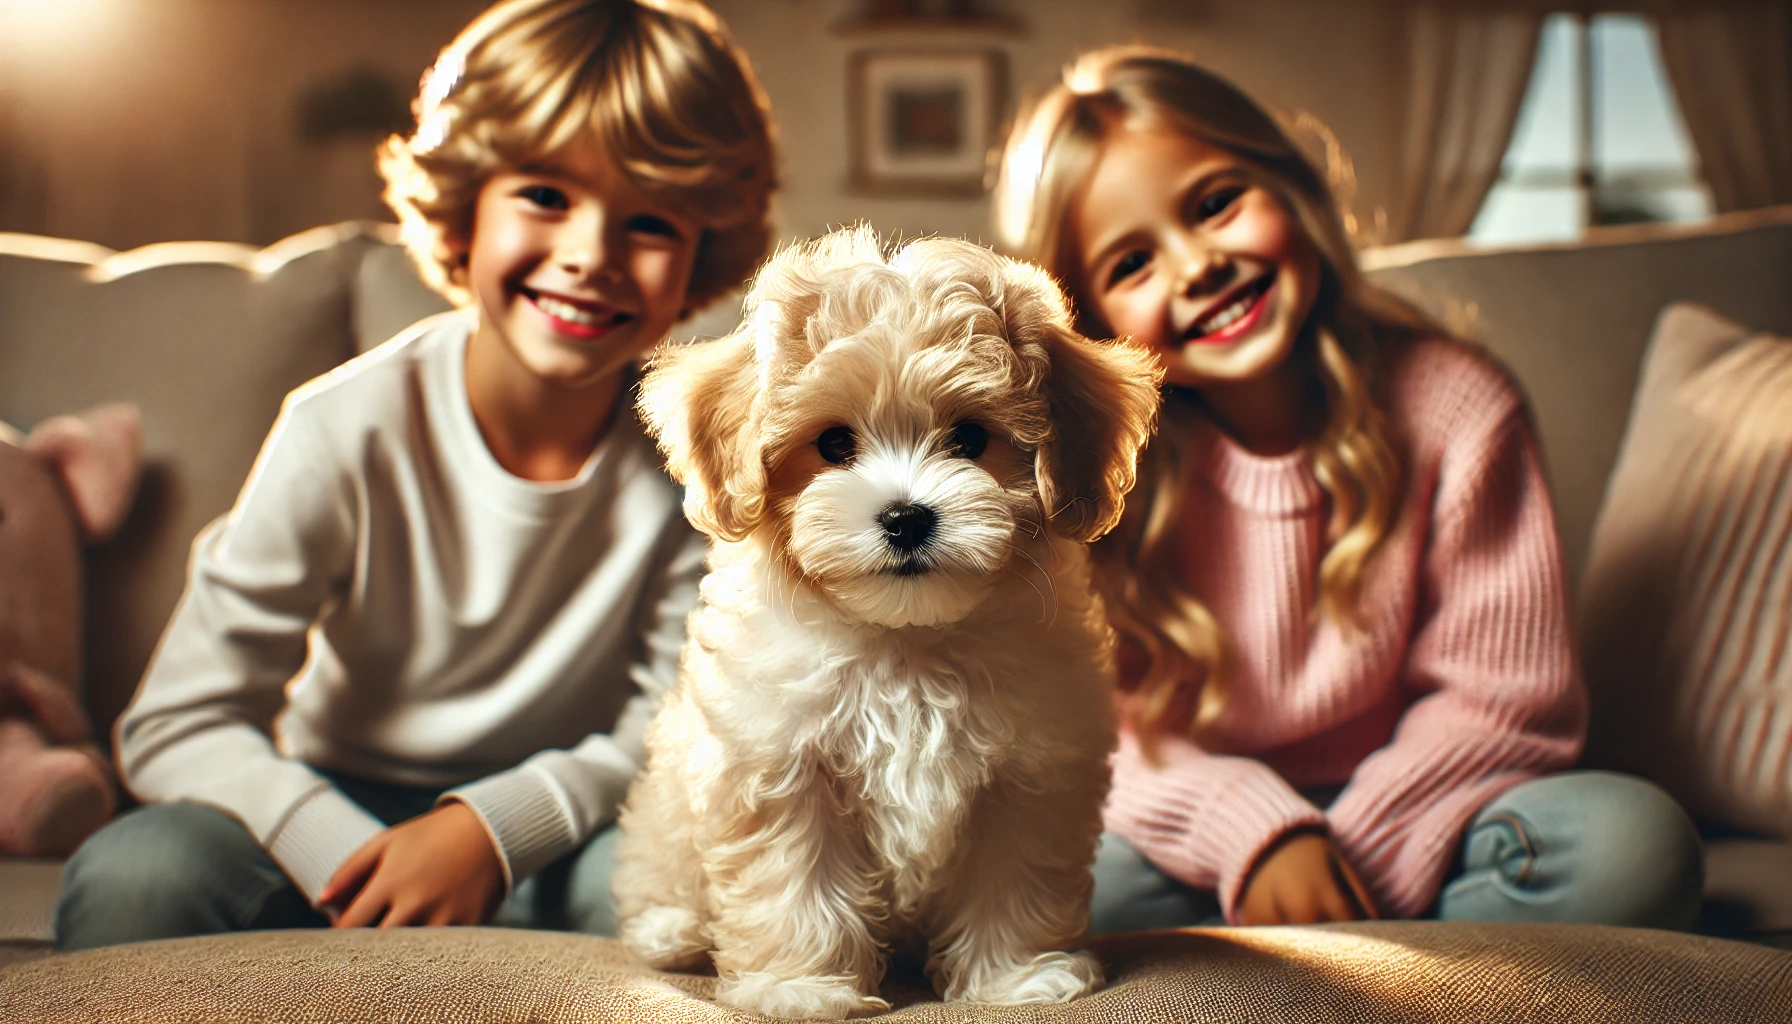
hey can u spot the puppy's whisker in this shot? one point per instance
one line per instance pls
(1036, 590)
(792, 588)
(1034, 530)
(1048, 616)
(769, 582)
(776, 583)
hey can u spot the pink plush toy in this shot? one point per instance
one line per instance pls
(71, 480)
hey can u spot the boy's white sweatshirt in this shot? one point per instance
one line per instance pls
(388, 602)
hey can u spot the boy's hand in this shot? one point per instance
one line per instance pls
(1303, 879)
(437, 868)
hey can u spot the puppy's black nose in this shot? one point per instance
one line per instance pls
(908, 526)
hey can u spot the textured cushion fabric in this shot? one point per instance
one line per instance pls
(28, 891)
(1572, 320)
(15, 952)
(206, 338)
(1369, 973)
(1748, 890)
(1686, 611)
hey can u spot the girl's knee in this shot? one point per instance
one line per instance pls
(1614, 848)
(1630, 822)
(1645, 820)
(1653, 848)
(1131, 894)
(1122, 874)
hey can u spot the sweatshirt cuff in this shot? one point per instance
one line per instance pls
(528, 820)
(324, 830)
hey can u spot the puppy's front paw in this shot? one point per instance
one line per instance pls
(825, 998)
(1047, 978)
(666, 938)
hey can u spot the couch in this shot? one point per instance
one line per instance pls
(208, 337)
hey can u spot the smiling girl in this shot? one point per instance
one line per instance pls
(1349, 683)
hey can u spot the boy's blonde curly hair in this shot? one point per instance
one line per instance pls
(658, 83)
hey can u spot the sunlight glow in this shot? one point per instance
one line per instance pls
(42, 21)
(1025, 162)
(1422, 981)
(1333, 944)
(50, 39)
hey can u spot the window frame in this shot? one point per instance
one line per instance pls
(1585, 175)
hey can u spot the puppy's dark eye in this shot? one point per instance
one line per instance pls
(968, 441)
(837, 444)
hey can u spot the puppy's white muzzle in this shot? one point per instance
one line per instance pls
(903, 536)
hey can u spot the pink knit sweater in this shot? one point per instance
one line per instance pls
(1462, 683)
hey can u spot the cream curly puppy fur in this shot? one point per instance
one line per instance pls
(893, 718)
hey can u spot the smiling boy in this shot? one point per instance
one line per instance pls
(408, 679)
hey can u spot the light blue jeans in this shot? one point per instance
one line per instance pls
(171, 870)
(1587, 847)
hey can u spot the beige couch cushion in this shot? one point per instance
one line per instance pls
(1369, 973)
(206, 338)
(1748, 890)
(389, 296)
(1571, 320)
(1686, 612)
(28, 892)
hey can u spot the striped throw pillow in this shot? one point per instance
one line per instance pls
(1686, 607)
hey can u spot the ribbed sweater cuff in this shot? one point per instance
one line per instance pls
(1404, 868)
(528, 821)
(1251, 826)
(1202, 819)
(324, 830)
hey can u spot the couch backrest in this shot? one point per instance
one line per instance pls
(1573, 321)
(207, 338)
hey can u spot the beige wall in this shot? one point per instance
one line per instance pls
(134, 121)
(139, 121)
(1333, 59)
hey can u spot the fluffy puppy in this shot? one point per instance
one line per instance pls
(893, 716)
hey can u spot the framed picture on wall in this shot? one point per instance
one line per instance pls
(922, 120)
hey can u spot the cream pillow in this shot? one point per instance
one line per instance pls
(1686, 607)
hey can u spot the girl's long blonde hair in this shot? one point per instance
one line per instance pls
(1179, 687)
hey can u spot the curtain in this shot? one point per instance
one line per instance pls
(1466, 73)
(1731, 67)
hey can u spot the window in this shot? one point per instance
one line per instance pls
(1599, 138)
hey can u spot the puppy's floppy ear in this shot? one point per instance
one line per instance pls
(1103, 398)
(698, 401)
